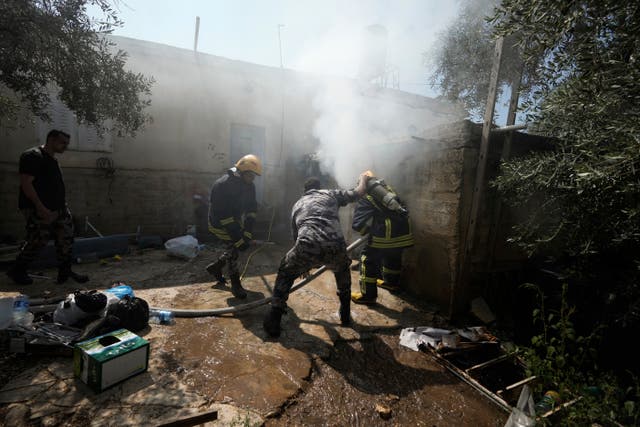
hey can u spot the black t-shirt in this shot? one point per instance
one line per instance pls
(47, 181)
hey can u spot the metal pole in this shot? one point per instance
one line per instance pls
(195, 40)
(280, 26)
(512, 127)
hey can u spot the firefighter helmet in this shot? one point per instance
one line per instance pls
(250, 163)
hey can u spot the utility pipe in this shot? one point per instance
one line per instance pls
(509, 128)
(251, 305)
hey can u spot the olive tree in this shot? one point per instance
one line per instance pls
(588, 99)
(582, 87)
(55, 48)
(462, 58)
(578, 205)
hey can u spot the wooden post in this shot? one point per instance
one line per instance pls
(478, 185)
(506, 154)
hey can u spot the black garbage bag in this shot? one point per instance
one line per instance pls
(132, 313)
(90, 301)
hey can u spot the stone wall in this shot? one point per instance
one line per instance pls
(160, 202)
(435, 175)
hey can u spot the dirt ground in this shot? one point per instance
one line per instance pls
(316, 373)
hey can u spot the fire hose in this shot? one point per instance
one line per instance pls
(251, 305)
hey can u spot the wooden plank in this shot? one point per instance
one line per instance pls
(560, 407)
(476, 198)
(192, 420)
(469, 380)
(490, 362)
(506, 154)
(522, 382)
(484, 147)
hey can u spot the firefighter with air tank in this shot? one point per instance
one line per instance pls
(382, 215)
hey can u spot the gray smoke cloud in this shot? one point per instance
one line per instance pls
(353, 113)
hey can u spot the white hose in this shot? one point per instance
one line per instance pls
(250, 305)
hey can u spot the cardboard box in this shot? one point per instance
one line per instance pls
(109, 359)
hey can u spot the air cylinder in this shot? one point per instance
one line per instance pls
(377, 189)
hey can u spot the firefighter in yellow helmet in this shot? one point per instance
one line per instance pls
(383, 216)
(232, 214)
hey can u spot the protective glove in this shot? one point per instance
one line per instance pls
(305, 275)
(246, 241)
(243, 246)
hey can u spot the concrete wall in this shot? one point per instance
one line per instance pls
(436, 177)
(196, 99)
(429, 180)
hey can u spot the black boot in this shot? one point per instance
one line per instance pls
(18, 273)
(64, 272)
(271, 323)
(215, 269)
(368, 298)
(236, 288)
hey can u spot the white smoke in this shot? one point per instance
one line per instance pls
(353, 114)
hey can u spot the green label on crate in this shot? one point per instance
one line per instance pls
(111, 345)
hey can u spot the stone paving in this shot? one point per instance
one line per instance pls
(200, 364)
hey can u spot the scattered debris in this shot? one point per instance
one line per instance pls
(443, 339)
(481, 310)
(523, 414)
(192, 420)
(383, 410)
(183, 247)
(469, 353)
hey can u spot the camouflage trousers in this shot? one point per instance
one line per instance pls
(39, 233)
(306, 255)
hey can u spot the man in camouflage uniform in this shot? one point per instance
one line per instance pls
(318, 241)
(232, 213)
(42, 201)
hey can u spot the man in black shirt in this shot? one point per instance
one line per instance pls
(42, 202)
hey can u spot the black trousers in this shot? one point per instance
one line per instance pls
(377, 263)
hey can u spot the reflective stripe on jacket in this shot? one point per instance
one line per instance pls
(386, 229)
(232, 208)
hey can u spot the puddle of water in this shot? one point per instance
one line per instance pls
(216, 358)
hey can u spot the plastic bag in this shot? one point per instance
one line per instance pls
(132, 312)
(183, 247)
(6, 312)
(524, 414)
(120, 290)
(69, 313)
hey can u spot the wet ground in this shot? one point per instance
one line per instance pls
(316, 373)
